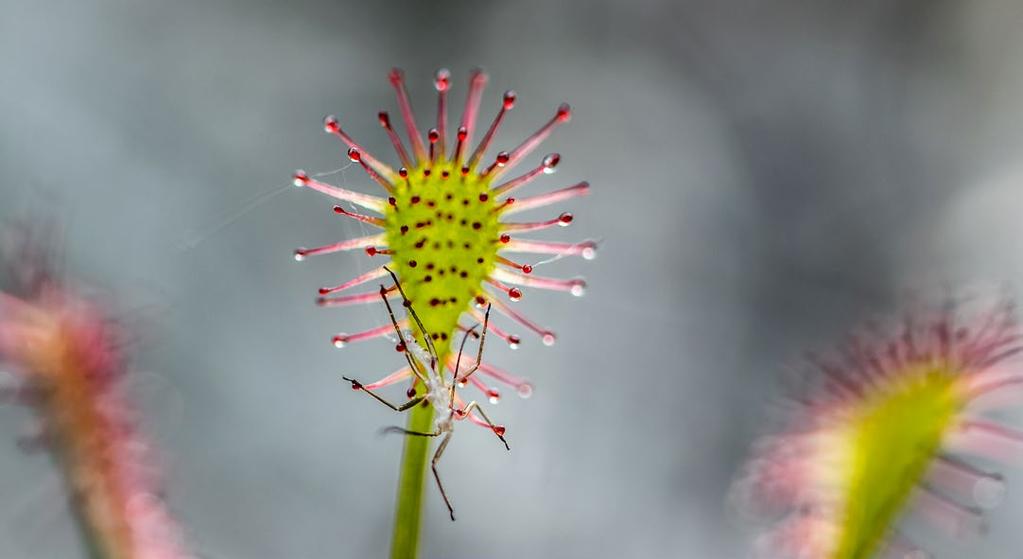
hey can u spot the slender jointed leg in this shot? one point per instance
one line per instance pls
(412, 362)
(434, 357)
(403, 431)
(497, 429)
(458, 363)
(407, 405)
(461, 347)
(436, 458)
(479, 351)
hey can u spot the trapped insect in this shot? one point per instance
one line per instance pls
(440, 390)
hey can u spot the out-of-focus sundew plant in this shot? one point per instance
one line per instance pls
(69, 362)
(442, 226)
(894, 425)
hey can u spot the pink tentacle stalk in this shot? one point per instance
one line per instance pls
(333, 127)
(586, 249)
(523, 387)
(385, 122)
(512, 340)
(356, 156)
(546, 167)
(398, 81)
(368, 219)
(541, 200)
(350, 244)
(506, 105)
(442, 82)
(562, 115)
(358, 280)
(477, 81)
(574, 286)
(548, 337)
(347, 300)
(563, 220)
(342, 339)
(374, 203)
(401, 374)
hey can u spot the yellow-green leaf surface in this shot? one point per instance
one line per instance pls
(892, 437)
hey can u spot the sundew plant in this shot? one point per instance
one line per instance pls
(444, 220)
(70, 362)
(895, 425)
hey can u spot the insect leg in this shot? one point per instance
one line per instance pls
(412, 361)
(426, 334)
(497, 429)
(458, 362)
(403, 431)
(411, 403)
(479, 352)
(436, 458)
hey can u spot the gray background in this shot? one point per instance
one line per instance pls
(766, 175)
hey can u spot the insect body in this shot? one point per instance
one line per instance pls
(440, 390)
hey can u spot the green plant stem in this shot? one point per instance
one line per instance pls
(411, 482)
(87, 534)
(89, 538)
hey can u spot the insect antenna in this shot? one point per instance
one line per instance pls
(434, 357)
(412, 361)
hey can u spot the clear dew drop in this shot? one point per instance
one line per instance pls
(339, 341)
(589, 252)
(513, 342)
(525, 390)
(548, 339)
(578, 288)
(299, 254)
(494, 398)
(550, 163)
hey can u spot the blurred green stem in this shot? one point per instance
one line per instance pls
(88, 537)
(411, 481)
(91, 540)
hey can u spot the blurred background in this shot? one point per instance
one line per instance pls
(766, 175)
